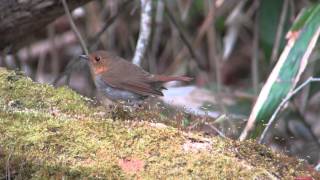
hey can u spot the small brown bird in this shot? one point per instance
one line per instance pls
(120, 80)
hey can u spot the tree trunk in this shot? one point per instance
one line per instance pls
(19, 19)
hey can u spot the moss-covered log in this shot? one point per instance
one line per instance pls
(56, 133)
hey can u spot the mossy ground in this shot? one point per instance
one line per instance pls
(56, 133)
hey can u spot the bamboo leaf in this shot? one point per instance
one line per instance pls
(301, 40)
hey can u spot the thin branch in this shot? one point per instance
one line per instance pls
(109, 21)
(157, 34)
(210, 31)
(181, 32)
(277, 41)
(40, 71)
(214, 56)
(221, 134)
(309, 128)
(234, 22)
(74, 61)
(305, 94)
(8, 172)
(145, 31)
(53, 50)
(284, 101)
(255, 55)
(207, 23)
(74, 27)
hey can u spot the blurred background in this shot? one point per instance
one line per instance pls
(228, 46)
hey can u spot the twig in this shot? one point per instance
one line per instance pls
(42, 63)
(107, 24)
(207, 23)
(94, 46)
(181, 33)
(255, 55)
(157, 34)
(74, 62)
(304, 96)
(95, 39)
(217, 130)
(284, 101)
(145, 31)
(82, 43)
(8, 172)
(292, 10)
(74, 27)
(208, 29)
(53, 50)
(214, 56)
(277, 41)
(25, 67)
(234, 22)
(309, 128)
(184, 9)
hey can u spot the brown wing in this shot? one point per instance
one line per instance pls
(130, 77)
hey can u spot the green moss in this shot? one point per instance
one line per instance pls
(55, 133)
(20, 92)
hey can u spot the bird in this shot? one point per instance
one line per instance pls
(121, 81)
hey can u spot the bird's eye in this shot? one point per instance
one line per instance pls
(97, 58)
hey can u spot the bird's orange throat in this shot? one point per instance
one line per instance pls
(100, 69)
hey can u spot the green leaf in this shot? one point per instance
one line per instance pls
(287, 71)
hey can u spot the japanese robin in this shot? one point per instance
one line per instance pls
(121, 81)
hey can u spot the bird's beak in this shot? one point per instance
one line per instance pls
(84, 57)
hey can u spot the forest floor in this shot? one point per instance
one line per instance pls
(49, 132)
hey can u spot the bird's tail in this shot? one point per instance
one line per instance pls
(163, 78)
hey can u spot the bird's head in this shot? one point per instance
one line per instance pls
(99, 61)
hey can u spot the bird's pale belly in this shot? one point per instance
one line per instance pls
(118, 95)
